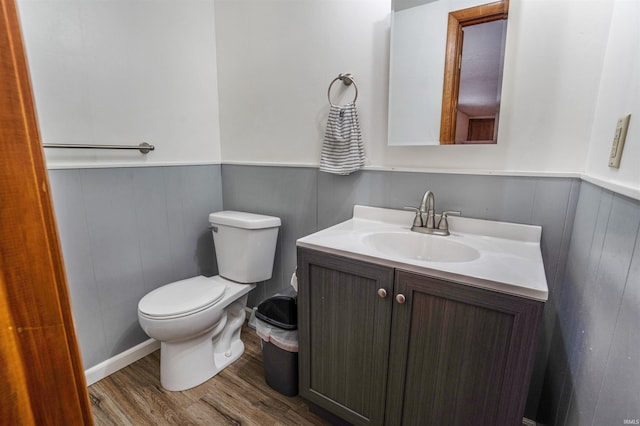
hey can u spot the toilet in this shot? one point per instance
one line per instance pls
(198, 320)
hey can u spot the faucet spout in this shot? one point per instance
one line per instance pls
(428, 206)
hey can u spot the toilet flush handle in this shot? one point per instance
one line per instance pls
(213, 228)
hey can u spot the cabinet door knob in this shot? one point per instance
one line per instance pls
(400, 299)
(382, 293)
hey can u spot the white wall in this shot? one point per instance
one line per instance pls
(276, 59)
(619, 95)
(124, 72)
(116, 71)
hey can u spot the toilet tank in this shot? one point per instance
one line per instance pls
(245, 245)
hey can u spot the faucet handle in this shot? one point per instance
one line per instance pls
(443, 224)
(451, 212)
(417, 221)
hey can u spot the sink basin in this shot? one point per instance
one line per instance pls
(414, 246)
(498, 256)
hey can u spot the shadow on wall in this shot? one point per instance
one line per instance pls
(206, 254)
(557, 378)
(205, 258)
(129, 337)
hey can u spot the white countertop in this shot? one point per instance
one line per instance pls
(509, 258)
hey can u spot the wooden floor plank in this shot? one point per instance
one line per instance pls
(238, 395)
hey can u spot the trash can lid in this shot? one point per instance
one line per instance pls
(280, 311)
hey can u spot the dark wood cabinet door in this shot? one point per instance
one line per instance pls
(344, 335)
(459, 355)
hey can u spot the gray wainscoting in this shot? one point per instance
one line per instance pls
(593, 374)
(308, 200)
(124, 232)
(289, 193)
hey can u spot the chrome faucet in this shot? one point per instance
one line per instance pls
(428, 207)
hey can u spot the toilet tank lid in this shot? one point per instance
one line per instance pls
(243, 220)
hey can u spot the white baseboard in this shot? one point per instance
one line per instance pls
(528, 422)
(123, 359)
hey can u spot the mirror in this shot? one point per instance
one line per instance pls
(445, 73)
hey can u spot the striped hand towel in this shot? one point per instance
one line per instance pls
(342, 150)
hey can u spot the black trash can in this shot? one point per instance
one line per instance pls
(277, 325)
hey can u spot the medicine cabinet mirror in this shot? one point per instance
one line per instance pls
(445, 79)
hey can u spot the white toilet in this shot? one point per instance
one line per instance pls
(198, 320)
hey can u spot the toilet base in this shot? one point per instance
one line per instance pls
(176, 376)
(189, 363)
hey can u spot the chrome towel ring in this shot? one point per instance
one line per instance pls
(347, 79)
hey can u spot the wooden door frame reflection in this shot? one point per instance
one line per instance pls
(457, 21)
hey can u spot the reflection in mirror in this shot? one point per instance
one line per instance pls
(419, 32)
(473, 74)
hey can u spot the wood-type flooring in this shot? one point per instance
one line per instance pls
(238, 395)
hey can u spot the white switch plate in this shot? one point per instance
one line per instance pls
(618, 141)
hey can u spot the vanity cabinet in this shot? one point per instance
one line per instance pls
(380, 345)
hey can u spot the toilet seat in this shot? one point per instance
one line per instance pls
(182, 298)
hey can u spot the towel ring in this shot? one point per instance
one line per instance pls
(347, 79)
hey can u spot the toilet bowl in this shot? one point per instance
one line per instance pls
(198, 320)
